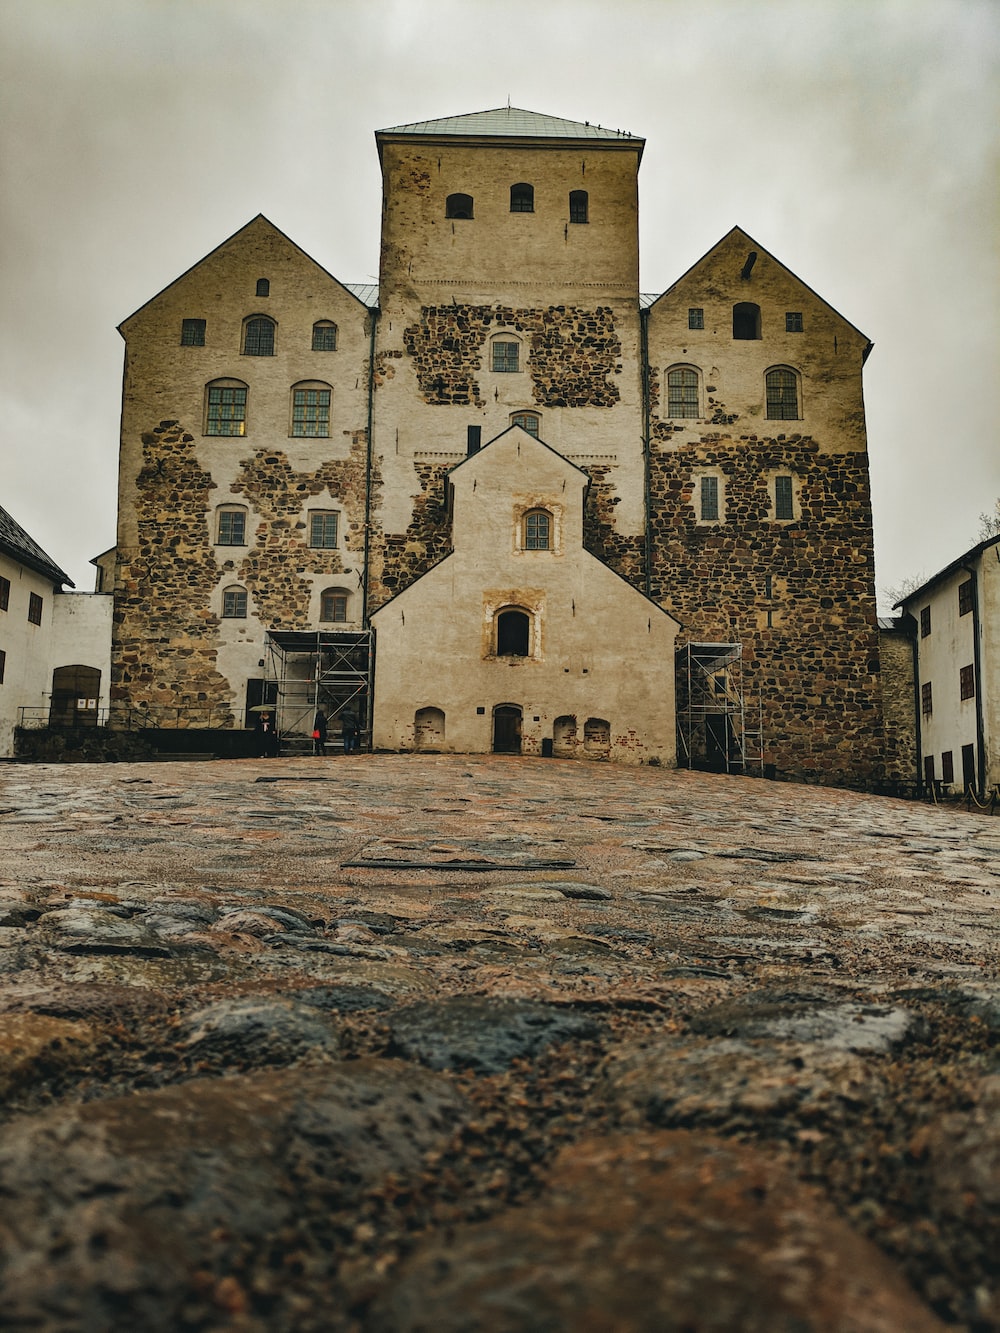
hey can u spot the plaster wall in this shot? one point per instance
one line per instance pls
(81, 636)
(27, 673)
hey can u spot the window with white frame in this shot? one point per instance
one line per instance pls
(537, 530)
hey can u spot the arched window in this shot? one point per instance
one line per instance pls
(458, 206)
(782, 385)
(537, 530)
(234, 603)
(522, 198)
(513, 633)
(258, 336)
(746, 320)
(226, 408)
(505, 357)
(263, 287)
(231, 525)
(682, 392)
(578, 205)
(310, 410)
(428, 728)
(324, 336)
(333, 605)
(529, 421)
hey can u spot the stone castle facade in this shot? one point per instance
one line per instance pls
(304, 458)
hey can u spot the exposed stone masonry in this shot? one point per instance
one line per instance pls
(573, 353)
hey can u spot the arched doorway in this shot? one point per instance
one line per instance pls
(507, 729)
(76, 692)
(428, 729)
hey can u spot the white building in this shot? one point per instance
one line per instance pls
(956, 623)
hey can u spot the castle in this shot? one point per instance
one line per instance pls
(503, 501)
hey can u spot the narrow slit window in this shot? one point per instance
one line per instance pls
(783, 498)
(709, 499)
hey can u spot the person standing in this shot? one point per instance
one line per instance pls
(267, 736)
(349, 730)
(319, 733)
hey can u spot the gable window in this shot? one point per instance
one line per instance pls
(192, 333)
(34, 608)
(458, 206)
(310, 412)
(793, 321)
(522, 198)
(708, 499)
(782, 387)
(926, 698)
(967, 682)
(258, 336)
(263, 287)
(529, 421)
(925, 621)
(578, 205)
(538, 530)
(513, 633)
(324, 336)
(506, 356)
(965, 597)
(333, 605)
(323, 529)
(4, 593)
(682, 392)
(234, 603)
(746, 320)
(696, 317)
(227, 408)
(784, 498)
(232, 527)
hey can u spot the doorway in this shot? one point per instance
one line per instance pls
(507, 729)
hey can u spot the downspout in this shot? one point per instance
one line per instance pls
(373, 313)
(647, 555)
(977, 676)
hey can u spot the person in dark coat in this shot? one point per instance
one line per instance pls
(319, 733)
(267, 736)
(349, 730)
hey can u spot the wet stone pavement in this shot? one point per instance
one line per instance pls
(452, 1043)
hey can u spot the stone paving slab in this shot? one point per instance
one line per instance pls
(797, 981)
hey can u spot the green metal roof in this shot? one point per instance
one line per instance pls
(511, 122)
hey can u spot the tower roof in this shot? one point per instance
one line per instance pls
(511, 122)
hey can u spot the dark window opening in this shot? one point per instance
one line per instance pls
(263, 287)
(259, 340)
(192, 333)
(968, 766)
(522, 198)
(947, 767)
(783, 501)
(926, 697)
(35, 608)
(967, 682)
(746, 320)
(793, 321)
(4, 593)
(578, 205)
(696, 317)
(965, 597)
(473, 439)
(3, 664)
(458, 206)
(925, 621)
(682, 392)
(513, 634)
(507, 729)
(929, 769)
(782, 395)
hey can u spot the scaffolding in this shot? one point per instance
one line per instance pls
(327, 670)
(716, 728)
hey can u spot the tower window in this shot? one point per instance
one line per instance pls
(965, 597)
(529, 421)
(323, 529)
(925, 621)
(784, 503)
(967, 682)
(782, 395)
(458, 206)
(522, 198)
(192, 333)
(926, 697)
(333, 605)
(232, 527)
(258, 337)
(708, 508)
(234, 603)
(793, 321)
(310, 413)
(746, 320)
(696, 317)
(682, 392)
(579, 202)
(263, 287)
(506, 357)
(324, 336)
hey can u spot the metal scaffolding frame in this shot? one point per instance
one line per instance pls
(716, 729)
(319, 669)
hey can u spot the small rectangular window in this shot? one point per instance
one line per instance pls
(929, 769)
(965, 597)
(323, 530)
(947, 767)
(192, 333)
(967, 682)
(234, 604)
(793, 321)
(925, 621)
(696, 317)
(333, 607)
(968, 766)
(710, 499)
(35, 608)
(473, 439)
(232, 527)
(926, 697)
(3, 664)
(783, 504)
(4, 593)
(324, 337)
(505, 357)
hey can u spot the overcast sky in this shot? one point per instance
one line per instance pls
(856, 140)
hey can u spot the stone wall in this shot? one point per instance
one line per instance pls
(898, 702)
